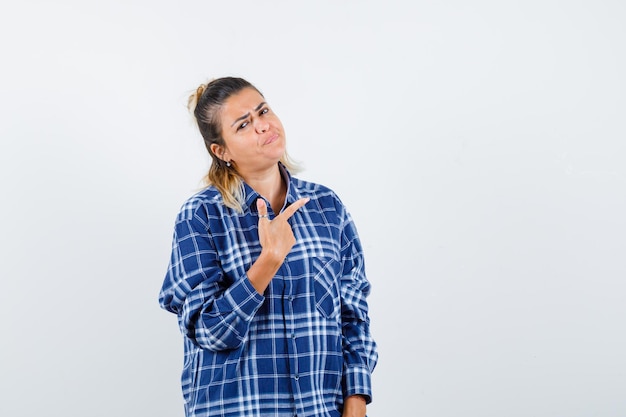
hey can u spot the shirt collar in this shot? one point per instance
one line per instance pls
(250, 195)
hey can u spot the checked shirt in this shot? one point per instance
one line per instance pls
(301, 347)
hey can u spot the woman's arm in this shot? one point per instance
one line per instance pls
(215, 311)
(359, 352)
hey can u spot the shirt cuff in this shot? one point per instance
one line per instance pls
(358, 381)
(245, 299)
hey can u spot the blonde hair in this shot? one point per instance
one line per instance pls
(205, 104)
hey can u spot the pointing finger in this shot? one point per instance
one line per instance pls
(289, 211)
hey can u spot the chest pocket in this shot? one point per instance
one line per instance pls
(326, 286)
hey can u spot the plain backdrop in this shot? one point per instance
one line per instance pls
(480, 146)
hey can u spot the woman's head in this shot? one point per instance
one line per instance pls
(206, 104)
(221, 100)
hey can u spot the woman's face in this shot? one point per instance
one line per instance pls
(253, 134)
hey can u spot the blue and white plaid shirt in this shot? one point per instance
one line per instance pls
(301, 347)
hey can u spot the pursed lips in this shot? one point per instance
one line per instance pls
(271, 139)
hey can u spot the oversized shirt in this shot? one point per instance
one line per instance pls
(301, 347)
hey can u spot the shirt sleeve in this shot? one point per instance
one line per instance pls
(359, 348)
(214, 311)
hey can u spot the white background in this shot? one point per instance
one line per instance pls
(480, 146)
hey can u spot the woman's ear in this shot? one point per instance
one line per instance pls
(217, 150)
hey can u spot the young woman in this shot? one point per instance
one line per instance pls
(266, 276)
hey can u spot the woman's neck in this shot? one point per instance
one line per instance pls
(270, 185)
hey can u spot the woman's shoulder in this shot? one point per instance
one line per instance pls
(199, 202)
(310, 189)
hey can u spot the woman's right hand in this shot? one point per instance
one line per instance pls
(276, 239)
(276, 235)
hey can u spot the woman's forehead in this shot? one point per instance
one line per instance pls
(246, 99)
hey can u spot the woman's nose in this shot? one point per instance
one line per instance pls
(261, 126)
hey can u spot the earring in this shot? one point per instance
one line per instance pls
(228, 164)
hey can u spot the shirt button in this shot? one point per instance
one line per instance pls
(291, 298)
(296, 377)
(293, 335)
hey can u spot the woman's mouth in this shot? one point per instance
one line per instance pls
(271, 139)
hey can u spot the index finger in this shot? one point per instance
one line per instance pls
(289, 211)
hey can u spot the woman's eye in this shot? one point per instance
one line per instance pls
(265, 110)
(241, 126)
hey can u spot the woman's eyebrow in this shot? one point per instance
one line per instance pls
(245, 116)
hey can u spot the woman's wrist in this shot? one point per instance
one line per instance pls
(354, 406)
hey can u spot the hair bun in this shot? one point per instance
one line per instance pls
(194, 98)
